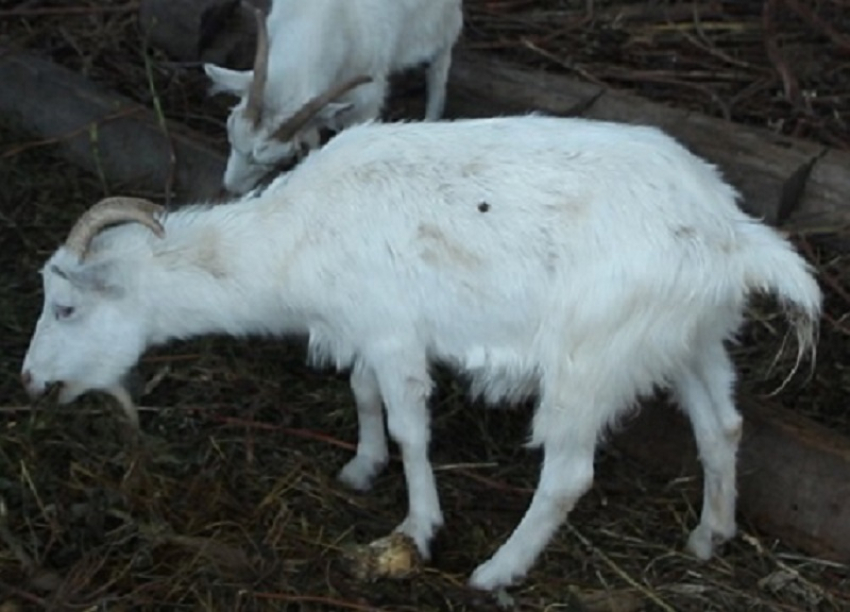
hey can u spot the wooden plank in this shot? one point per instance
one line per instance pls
(793, 474)
(105, 133)
(480, 86)
(826, 196)
(795, 480)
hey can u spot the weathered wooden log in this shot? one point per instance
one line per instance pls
(793, 474)
(826, 196)
(787, 181)
(217, 31)
(105, 133)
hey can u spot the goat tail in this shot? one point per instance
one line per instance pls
(772, 266)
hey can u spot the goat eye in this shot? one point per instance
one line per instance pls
(63, 312)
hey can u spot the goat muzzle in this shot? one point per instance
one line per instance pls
(36, 390)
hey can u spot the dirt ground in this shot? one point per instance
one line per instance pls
(231, 502)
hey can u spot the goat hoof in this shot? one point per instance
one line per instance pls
(491, 576)
(421, 533)
(359, 473)
(703, 541)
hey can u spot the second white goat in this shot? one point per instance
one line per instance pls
(585, 263)
(325, 64)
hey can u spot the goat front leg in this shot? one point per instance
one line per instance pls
(437, 76)
(405, 391)
(372, 454)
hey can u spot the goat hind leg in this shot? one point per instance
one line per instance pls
(566, 474)
(705, 393)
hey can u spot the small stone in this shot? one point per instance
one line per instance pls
(394, 556)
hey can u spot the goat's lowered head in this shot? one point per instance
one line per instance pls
(261, 137)
(91, 331)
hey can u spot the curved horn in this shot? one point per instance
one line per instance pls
(110, 211)
(290, 127)
(254, 105)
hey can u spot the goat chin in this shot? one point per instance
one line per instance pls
(585, 263)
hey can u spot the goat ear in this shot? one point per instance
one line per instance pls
(101, 277)
(329, 115)
(225, 80)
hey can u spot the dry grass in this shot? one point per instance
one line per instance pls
(230, 502)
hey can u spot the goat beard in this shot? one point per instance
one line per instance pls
(122, 392)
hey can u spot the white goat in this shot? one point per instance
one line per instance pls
(582, 262)
(324, 50)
